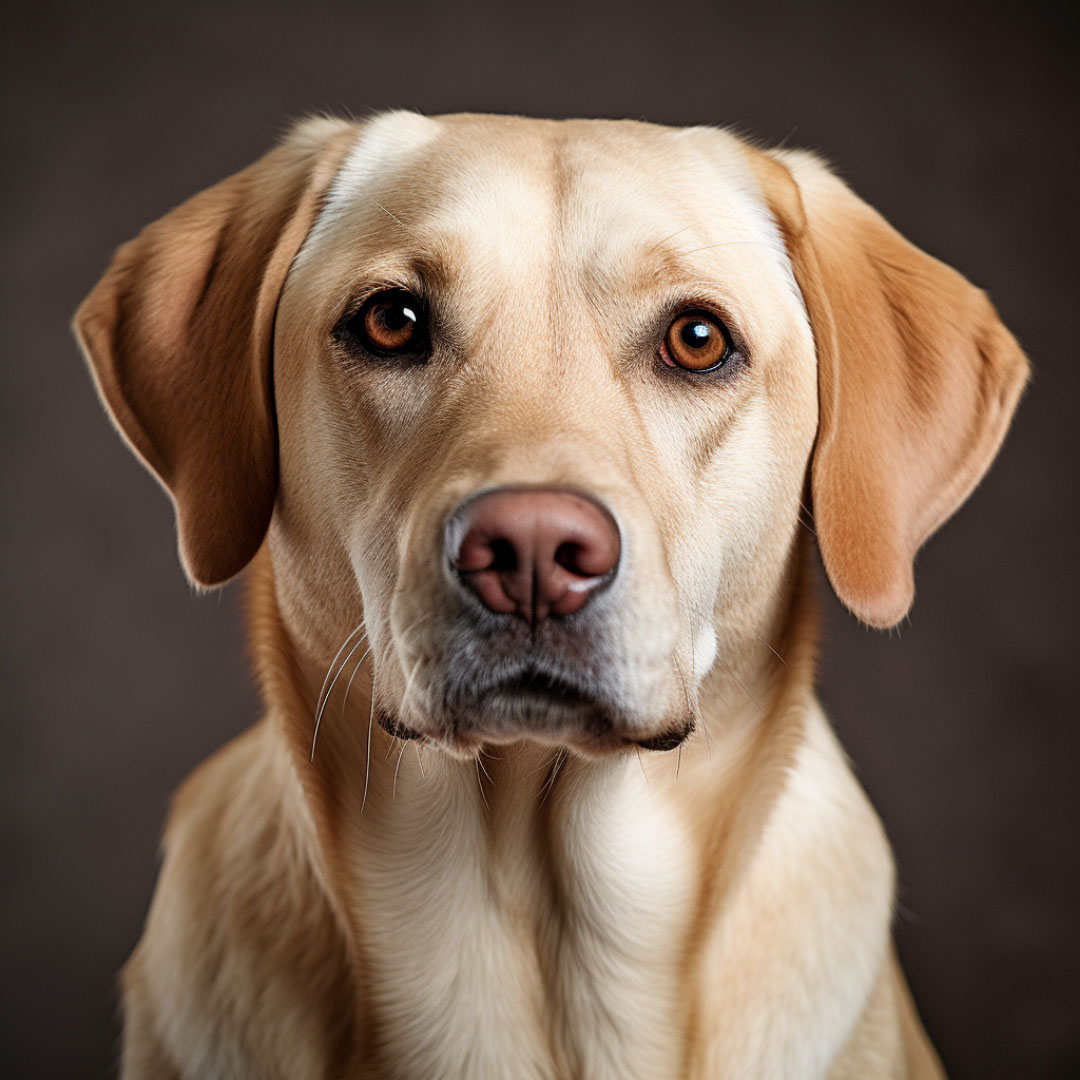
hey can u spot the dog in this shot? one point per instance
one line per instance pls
(526, 431)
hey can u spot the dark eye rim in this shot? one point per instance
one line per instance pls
(736, 355)
(349, 330)
(732, 348)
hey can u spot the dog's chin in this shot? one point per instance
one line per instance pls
(557, 717)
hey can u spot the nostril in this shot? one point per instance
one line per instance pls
(474, 553)
(479, 552)
(566, 555)
(573, 557)
(503, 556)
(591, 554)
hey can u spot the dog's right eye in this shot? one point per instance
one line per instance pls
(390, 323)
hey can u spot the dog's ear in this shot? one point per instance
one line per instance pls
(178, 335)
(917, 382)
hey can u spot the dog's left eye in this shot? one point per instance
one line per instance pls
(696, 341)
(390, 323)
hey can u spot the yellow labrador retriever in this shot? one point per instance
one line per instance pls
(519, 425)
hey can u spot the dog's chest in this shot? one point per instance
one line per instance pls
(545, 948)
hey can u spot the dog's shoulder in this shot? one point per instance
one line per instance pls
(240, 937)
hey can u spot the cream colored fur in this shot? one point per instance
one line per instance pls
(515, 907)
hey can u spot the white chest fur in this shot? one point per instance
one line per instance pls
(529, 935)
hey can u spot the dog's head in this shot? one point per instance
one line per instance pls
(547, 399)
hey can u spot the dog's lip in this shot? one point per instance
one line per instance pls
(533, 684)
(591, 744)
(578, 718)
(566, 709)
(669, 739)
(529, 683)
(392, 725)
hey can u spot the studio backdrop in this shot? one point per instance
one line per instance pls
(957, 122)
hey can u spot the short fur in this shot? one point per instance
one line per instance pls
(522, 897)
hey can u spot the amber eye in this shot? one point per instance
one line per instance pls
(696, 341)
(389, 323)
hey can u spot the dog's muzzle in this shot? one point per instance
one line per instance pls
(531, 651)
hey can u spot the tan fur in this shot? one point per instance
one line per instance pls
(179, 337)
(918, 382)
(514, 905)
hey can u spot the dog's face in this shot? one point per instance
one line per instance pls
(544, 397)
(547, 282)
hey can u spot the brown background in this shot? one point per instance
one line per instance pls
(960, 124)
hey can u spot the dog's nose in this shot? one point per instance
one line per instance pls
(533, 552)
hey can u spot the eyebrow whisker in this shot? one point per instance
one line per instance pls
(388, 213)
(733, 243)
(674, 234)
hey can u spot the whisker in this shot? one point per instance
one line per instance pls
(413, 625)
(480, 782)
(420, 758)
(330, 690)
(708, 738)
(560, 758)
(694, 708)
(643, 772)
(388, 214)
(545, 765)
(482, 766)
(344, 645)
(352, 677)
(401, 754)
(367, 756)
(682, 679)
(738, 682)
(765, 642)
(693, 654)
(734, 243)
(674, 234)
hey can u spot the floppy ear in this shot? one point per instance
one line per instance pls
(178, 335)
(917, 382)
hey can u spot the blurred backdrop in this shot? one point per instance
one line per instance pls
(959, 123)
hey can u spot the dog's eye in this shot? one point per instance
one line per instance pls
(390, 323)
(696, 341)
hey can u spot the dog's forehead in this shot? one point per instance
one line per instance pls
(514, 189)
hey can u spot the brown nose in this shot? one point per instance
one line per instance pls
(533, 552)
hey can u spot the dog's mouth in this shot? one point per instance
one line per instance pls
(531, 703)
(529, 700)
(533, 687)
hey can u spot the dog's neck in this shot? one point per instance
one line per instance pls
(526, 866)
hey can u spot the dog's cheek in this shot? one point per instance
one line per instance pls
(736, 547)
